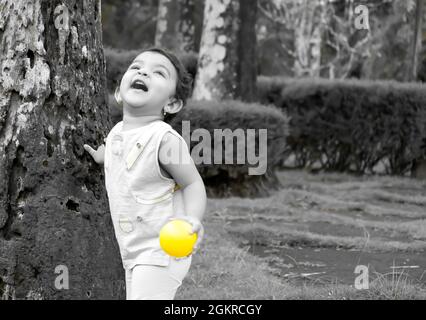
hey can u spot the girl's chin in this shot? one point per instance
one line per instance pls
(136, 102)
(136, 105)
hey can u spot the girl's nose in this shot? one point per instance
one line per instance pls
(143, 72)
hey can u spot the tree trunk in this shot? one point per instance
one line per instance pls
(247, 52)
(54, 216)
(308, 39)
(186, 26)
(417, 41)
(227, 59)
(176, 25)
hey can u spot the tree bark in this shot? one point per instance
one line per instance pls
(247, 52)
(53, 205)
(417, 41)
(227, 59)
(308, 39)
(176, 25)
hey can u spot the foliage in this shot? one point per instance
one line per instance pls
(318, 38)
(270, 89)
(352, 125)
(129, 24)
(233, 179)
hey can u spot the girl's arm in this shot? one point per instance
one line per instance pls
(174, 157)
(98, 155)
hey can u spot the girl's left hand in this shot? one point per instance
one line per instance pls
(97, 155)
(197, 227)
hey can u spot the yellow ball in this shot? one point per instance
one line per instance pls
(176, 238)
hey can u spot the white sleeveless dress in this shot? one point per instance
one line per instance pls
(141, 199)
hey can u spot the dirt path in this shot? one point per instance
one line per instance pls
(318, 228)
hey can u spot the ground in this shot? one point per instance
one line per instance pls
(305, 240)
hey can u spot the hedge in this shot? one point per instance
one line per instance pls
(224, 179)
(352, 125)
(269, 89)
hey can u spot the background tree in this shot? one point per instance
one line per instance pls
(246, 88)
(178, 25)
(304, 20)
(226, 65)
(307, 38)
(417, 40)
(216, 74)
(53, 206)
(129, 24)
(324, 40)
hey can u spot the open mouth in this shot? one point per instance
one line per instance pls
(139, 85)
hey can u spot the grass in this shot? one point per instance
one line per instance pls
(388, 213)
(222, 270)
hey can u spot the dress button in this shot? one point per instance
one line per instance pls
(139, 218)
(139, 145)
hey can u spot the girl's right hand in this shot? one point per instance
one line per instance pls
(97, 155)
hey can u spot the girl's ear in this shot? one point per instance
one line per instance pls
(118, 97)
(174, 106)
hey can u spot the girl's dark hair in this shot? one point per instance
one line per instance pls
(184, 79)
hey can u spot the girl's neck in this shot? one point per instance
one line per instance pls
(132, 122)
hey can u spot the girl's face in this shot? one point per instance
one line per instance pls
(148, 84)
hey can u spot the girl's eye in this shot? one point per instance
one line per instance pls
(134, 67)
(159, 72)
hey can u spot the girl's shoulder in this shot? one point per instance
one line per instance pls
(172, 141)
(167, 132)
(117, 127)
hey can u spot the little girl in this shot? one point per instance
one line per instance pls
(149, 174)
